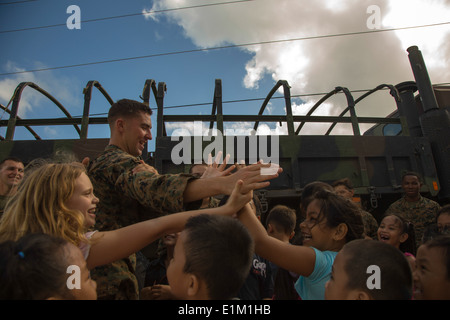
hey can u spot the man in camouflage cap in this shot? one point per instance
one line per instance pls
(127, 197)
(412, 206)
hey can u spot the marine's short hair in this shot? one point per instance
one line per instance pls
(15, 159)
(412, 173)
(127, 108)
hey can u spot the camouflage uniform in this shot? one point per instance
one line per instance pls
(370, 224)
(421, 213)
(125, 199)
(213, 202)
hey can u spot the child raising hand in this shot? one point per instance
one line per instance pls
(58, 199)
(331, 221)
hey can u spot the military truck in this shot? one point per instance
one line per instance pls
(415, 137)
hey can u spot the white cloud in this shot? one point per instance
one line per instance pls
(319, 65)
(433, 41)
(51, 132)
(149, 14)
(8, 85)
(61, 88)
(199, 128)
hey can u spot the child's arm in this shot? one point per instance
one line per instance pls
(299, 259)
(113, 245)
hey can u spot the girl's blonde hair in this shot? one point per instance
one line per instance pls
(39, 205)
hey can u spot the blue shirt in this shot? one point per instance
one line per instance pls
(313, 287)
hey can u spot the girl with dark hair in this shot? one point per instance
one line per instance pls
(399, 232)
(331, 221)
(40, 266)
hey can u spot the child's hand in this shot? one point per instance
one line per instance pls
(240, 196)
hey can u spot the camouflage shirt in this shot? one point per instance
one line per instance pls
(370, 224)
(125, 199)
(421, 213)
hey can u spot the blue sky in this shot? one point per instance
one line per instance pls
(318, 65)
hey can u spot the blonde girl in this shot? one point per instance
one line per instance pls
(58, 199)
(40, 206)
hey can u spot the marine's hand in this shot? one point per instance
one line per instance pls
(216, 170)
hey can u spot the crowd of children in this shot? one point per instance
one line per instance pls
(57, 199)
(44, 228)
(50, 240)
